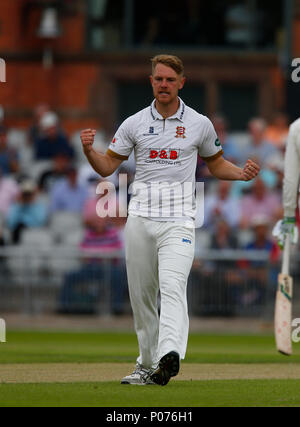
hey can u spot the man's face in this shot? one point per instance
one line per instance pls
(166, 83)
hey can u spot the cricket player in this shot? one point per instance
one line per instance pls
(166, 138)
(290, 187)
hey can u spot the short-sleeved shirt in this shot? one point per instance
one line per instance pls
(166, 153)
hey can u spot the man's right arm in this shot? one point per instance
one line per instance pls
(104, 164)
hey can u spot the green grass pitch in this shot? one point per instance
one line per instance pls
(25, 349)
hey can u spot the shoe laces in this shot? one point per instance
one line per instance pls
(143, 372)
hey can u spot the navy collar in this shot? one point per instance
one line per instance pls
(178, 115)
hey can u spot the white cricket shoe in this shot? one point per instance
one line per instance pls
(140, 376)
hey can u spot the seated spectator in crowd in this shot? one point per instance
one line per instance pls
(260, 149)
(35, 131)
(27, 212)
(220, 205)
(215, 278)
(232, 151)
(260, 201)
(68, 194)
(59, 169)
(260, 225)
(8, 157)
(223, 237)
(102, 236)
(9, 191)
(52, 141)
(276, 133)
(99, 205)
(257, 273)
(88, 178)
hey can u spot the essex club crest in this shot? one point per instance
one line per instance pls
(180, 132)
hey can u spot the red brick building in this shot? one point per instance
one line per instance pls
(85, 85)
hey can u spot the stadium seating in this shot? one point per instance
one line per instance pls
(36, 237)
(63, 224)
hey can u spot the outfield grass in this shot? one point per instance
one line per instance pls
(58, 347)
(89, 348)
(181, 394)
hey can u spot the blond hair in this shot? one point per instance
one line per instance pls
(171, 61)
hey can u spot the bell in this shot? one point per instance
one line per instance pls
(49, 25)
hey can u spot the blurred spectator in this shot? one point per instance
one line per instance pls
(220, 205)
(232, 151)
(8, 193)
(260, 149)
(60, 166)
(83, 288)
(257, 273)
(35, 131)
(89, 178)
(68, 194)
(27, 212)
(52, 141)
(223, 238)
(8, 157)
(91, 212)
(216, 299)
(277, 131)
(260, 201)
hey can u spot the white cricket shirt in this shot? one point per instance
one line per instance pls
(292, 170)
(166, 158)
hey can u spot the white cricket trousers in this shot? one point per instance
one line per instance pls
(159, 256)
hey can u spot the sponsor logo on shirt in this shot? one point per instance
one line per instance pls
(169, 156)
(151, 132)
(164, 154)
(187, 241)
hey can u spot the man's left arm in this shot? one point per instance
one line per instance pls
(227, 171)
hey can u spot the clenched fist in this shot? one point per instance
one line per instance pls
(250, 171)
(87, 137)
